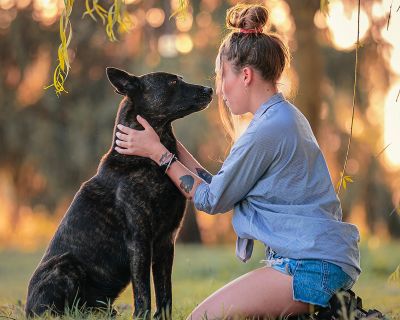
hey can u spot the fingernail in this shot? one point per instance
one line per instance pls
(119, 126)
(138, 117)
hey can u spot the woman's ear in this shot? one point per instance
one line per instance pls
(247, 74)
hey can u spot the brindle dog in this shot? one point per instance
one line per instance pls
(123, 221)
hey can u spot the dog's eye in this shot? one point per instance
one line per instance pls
(173, 82)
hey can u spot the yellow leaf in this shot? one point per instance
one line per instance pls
(182, 9)
(348, 178)
(62, 69)
(324, 6)
(101, 12)
(89, 11)
(395, 276)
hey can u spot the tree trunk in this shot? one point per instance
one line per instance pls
(307, 60)
(189, 232)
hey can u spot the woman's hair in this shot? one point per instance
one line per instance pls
(264, 51)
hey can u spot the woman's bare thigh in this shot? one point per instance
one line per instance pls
(261, 292)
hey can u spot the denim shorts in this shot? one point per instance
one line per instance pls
(314, 281)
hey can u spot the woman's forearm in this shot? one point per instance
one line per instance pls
(185, 179)
(192, 164)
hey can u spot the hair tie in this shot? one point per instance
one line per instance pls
(255, 30)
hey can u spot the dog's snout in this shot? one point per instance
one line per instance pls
(208, 90)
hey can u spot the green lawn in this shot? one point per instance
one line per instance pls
(199, 270)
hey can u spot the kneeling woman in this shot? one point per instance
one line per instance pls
(275, 178)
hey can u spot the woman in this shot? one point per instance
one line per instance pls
(275, 178)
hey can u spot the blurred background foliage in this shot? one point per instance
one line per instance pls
(49, 145)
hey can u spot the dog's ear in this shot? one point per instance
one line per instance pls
(122, 81)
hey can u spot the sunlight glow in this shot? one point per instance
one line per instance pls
(166, 46)
(184, 43)
(391, 36)
(281, 18)
(378, 11)
(155, 17)
(184, 24)
(343, 27)
(47, 11)
(6, 4)
(391, 126)
(395, 59)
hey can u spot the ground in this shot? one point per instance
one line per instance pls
(199, 270)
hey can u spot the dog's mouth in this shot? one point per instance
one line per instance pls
(193, 106)
(203, 104)
(202, 101)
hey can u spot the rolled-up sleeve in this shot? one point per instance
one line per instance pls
(248, 160)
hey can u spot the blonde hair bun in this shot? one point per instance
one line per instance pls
(247, 16)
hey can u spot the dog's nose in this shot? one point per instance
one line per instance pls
(208, 90)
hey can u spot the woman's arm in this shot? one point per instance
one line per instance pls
(146, 143)
(192, 164)
(183, 178)
(249, 159)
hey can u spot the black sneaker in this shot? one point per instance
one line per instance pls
(346, 305)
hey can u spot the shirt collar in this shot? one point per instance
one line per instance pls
(276, 98)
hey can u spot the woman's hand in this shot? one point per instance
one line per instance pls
(144, 143)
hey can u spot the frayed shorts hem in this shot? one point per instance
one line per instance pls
(314, 281)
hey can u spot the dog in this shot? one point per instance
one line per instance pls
(123, 222)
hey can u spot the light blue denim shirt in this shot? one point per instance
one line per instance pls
(277, 181)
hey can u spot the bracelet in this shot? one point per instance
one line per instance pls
(167, 161)
(171, 161)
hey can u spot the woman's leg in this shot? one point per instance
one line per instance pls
(262, 292)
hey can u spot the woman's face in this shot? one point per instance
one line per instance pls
(233, 89)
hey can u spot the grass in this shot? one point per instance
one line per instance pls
(200, 270)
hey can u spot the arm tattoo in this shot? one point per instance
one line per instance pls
(186, 183)
(164, 158)
(207, 177)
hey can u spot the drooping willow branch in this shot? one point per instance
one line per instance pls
(344, 178)
(116, 17)
(62, 69)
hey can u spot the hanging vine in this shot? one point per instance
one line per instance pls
(343, 177)
(115, 18)
(63, 67)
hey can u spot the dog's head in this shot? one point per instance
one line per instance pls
(159, 97)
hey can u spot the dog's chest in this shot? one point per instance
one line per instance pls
(148, 191)
(151, 202)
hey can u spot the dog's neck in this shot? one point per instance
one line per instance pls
(163, 129)
(128, 118)
(165, 133)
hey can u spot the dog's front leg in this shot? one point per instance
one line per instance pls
(140, 259)
(163, 255)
